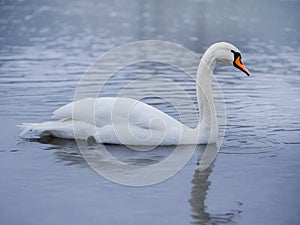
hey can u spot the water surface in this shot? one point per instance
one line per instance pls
(45, 47)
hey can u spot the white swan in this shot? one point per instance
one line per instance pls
(131, 122)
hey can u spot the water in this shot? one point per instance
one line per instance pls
(47, 46)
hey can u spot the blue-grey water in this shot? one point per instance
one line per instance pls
(45, 48)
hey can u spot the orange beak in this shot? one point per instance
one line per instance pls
(238, 64)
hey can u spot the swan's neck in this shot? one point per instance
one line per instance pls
(207, 127)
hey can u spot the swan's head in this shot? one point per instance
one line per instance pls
(229, 54)
(237, 62)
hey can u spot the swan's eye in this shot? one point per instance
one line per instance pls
(237, 62)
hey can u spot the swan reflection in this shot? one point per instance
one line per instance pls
(67, 151)
(201, 184)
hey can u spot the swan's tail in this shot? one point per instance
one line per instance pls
(38, 128)
(62, 129)
(25, 127)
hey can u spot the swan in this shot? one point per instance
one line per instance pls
(131, 122)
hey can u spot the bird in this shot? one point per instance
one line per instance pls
(127, 121)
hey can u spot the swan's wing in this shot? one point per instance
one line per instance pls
(83, 106)
(116, 111)
(147, 117)
(122, 120)
(90, 110)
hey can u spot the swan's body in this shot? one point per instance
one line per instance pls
(131, 122)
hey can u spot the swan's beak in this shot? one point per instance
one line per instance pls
(239, 64)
